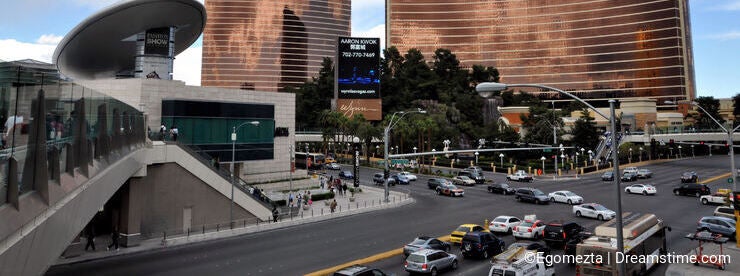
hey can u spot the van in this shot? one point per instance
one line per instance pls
(632, 170)
(478, 177)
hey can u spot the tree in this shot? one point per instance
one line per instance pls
(584, 132)
(736, 106)
(711, 105)
(539, 125)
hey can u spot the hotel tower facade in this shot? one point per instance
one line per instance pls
(270, 45)
(596, 49)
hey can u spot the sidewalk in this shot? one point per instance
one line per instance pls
(370, 199)
(732, 267)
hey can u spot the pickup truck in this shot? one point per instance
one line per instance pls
(520, 175)
(716, 198)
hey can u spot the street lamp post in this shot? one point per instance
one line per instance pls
(679, 152)
(291, 156)
(501, 156)
(543, 164)
(630, 156)
(233, 162)
(386, 139)
(692, 152)
(640, 154)
(733, 170)
(590, 156)
(416, 159)
(562, 160)
(476, 158)
(356, 162)
(671, 149)
(577, 159)
(486, 89)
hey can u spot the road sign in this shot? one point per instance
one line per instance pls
(547, 150)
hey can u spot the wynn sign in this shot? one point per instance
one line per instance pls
(357, 77)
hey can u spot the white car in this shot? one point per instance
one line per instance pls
(593, 210)
(503, 224)
(644, 189)
(565, 197)
(409, 175)
(530, 228)
(463, 180)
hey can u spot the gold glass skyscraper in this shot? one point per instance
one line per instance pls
(596, 49)
(270, 45)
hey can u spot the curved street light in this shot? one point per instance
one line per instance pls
(543, 164)
(486, 89)
(386, 138)
(233, 162)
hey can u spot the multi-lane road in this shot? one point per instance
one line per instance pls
(310, 247)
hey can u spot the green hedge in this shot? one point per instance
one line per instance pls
(328, 195)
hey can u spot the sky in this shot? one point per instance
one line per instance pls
(33, 28)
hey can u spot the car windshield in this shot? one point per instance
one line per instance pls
(608, 173)
(599, 207)
(504, 186)
(463, 229)
(686, 174)
(569, 194)
(464, 177)
(418, 241)
(537, 192)
(452, 186)
(470, 238)
(416, 258)
(643, 170)
(500, 219)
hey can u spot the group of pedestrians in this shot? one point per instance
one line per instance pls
(301, 199)
(89, 233)
(173, 133)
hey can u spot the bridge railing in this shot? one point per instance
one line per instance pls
(51, 127)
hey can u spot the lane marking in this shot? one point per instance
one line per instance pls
(367, 260)
(715, 178)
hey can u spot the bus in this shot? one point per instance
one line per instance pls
(644, 240)
(315, 160)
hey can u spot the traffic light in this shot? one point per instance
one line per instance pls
(701, 142)
(671, 142)
(736, 200)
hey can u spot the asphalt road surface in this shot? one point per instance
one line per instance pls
(310, 247)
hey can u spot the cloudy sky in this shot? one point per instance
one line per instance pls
(32, 28)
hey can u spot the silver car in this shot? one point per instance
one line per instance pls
(430, 261)
(717, 225)
(644, 173)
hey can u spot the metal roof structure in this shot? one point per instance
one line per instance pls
(105, 43)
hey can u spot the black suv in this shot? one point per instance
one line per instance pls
(692, 189)
(478, 177)
(501, 188)
(433, 183)
(558, 234)
(531, 195)
(481, 244)
(359, 270)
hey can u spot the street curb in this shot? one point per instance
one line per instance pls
(366, 260)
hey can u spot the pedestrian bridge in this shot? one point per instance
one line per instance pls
(686, 137)
(68, 150)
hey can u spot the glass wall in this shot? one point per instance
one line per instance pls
(51, 126)
(207, 127)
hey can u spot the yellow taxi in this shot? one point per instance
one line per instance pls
(457, 234)
(330, 160)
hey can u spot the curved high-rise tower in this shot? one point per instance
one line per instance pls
(270, 45)
(596, 49)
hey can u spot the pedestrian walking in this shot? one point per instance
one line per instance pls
(90, 236)
(114, 239)
(162, 130)
(344, 189)
(174, 132)
(333, 205)
(275, 214)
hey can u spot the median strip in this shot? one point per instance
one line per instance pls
(715, 178)
(367, 260)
